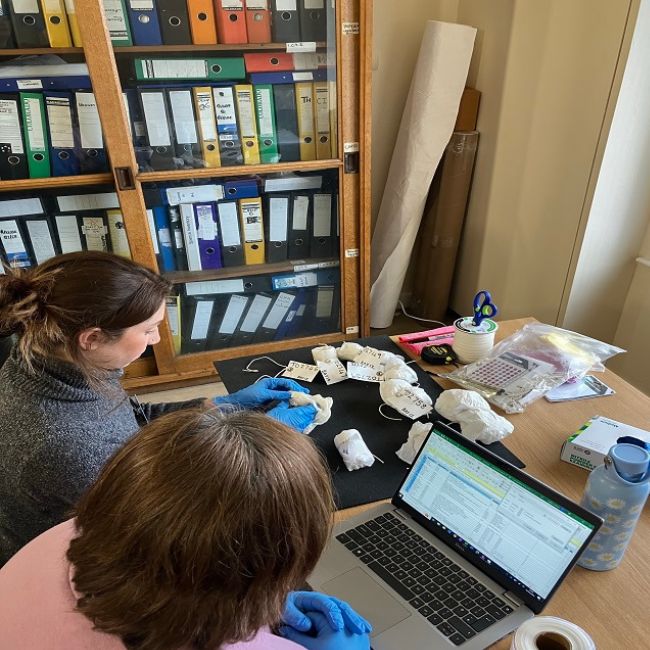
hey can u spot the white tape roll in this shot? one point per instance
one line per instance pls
(551, 633)
(473, 342)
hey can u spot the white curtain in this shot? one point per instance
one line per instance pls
(427, 124)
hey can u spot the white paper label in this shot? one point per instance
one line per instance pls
(322, 215)
(177, 69)
(301, 371)
(370, 358)
(295, 281)
(10, 126)
(20, 207)
(411, 405)
(183, 116)
(25, 6)
(202, 317)
(303, 76)
(68, 232)
(350, 147)
(229, 223)
(214, 286)
(352, 252)
(206, 117)
(141, 5)
(264, 112)
(153, 106)
(29, 84)
(194, 194)
(324, 302)
(34, 124)
(99, 201)
(277, 312)
(286, 5)
(255, 313)
(300, 212)
(233, 314)
(246, 116)
(314, 4)
(302, 46)
(289, 183)
(353, 329)
(232, 5)
(207, 227)
(363, 373)
(95, 231)
(252, 221)
(333, 371)
(278, 213)
(257, 5)
(350, 28)
(90, 127)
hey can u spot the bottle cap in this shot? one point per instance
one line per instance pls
(631, 461)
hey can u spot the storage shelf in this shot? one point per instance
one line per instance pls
(55, 181)
(180, 277)
(41, 50)
(216, 47)
(238, 170)
(156, 49)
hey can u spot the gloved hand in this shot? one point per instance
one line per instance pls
(261, 392)
(326, 638)
(298, 417)
(338, 613)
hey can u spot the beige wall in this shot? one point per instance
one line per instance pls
(546, 70)
(618, 216)
(397, 33)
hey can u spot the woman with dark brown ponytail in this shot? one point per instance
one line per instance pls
(80, 319)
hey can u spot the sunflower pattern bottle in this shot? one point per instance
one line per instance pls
(616, 492)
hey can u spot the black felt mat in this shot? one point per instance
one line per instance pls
(355, 407)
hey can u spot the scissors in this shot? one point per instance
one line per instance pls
(483, 307)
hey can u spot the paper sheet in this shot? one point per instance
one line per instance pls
(427, 124)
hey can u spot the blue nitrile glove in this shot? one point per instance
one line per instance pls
(326, 638)
(338, 613)
(298, 417)
(261, 392)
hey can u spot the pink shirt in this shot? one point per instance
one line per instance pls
(37, 603)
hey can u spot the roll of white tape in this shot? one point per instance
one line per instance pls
(473, 342)
(551, 633)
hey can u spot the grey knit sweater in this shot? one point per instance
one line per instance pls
(56, 433)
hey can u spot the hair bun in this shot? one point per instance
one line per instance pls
(19, 301)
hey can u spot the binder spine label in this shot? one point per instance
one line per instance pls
(34, 124)
(252, 219)
(90, 128)
(60, 119)
(181, 103)
(116, 20)
(29, 84)
(10, 126)
(206, 115)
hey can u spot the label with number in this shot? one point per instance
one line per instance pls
(370, 358)
(364, 373)
(305, 46)
(302, 371)
(411, 405)
(333, 371)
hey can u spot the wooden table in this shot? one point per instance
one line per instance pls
(612, 606)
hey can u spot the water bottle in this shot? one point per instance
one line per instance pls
(616, 491)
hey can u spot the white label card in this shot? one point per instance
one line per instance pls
(278, 311)
(155, 115)
(278, 217)
(411, 405)
(370, 358)
(183, 115)
(99, 201)
(300, 212)
(333, 371)
(20, 207)
(303, 76)
(350, 28)
(229, 223)
(29, 84)
(233, 314)
(25, 6)
(302, 46)
(202, 317)
(90, 128)
(214, 286)
(314, 4)
(364, 373)
(252, 222)
(194, 194)
(302, 371)
(10, 132)
(286, 5)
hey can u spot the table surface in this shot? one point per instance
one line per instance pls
(610, 605)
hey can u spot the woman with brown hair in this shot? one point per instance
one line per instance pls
(191, 538)
(80, 318)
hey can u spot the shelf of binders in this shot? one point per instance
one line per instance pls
(208, 172)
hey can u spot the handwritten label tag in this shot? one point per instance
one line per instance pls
(333, 371)
(29, 84)
(302, 371)
(350, 28)
(411, 405)
(364, 373)
(370, 358)
(303, 46)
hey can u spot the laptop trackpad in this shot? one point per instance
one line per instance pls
(368, 598)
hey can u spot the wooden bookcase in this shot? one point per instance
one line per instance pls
(351, 166)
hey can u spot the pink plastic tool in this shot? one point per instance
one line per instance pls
(417, 340)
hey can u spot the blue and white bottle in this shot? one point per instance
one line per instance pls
(616, 492)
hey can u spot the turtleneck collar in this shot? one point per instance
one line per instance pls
(52, 377)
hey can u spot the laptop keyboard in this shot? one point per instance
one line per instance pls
(446, 595)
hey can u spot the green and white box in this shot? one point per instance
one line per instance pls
(588, 447)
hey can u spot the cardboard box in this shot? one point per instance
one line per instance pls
(468, 110)
(588, 447)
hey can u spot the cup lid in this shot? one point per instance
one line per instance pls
(630, 460)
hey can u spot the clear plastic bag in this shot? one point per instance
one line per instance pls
(535, 359)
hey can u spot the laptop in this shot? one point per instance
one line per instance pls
(467, 550)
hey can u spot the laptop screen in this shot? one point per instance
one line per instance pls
(528, 536)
